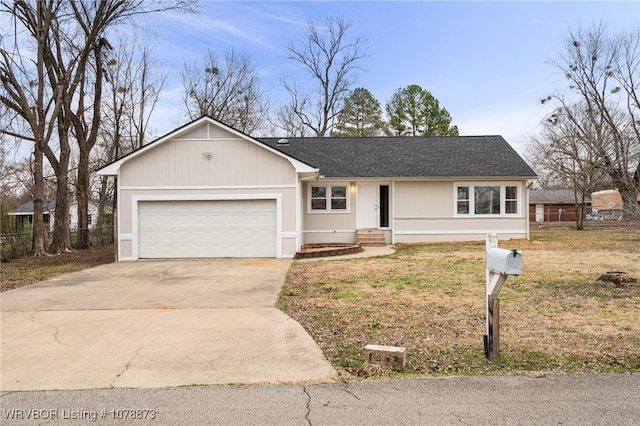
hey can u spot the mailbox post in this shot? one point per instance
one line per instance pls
(500, 263)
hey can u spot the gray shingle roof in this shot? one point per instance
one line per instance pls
(410, 157)
(27, 207)
(550, 196)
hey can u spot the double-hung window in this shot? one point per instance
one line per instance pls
(486, 200)
(463, 200)
(511, 199)
(328, 198)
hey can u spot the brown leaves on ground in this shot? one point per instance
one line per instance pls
(28, 270)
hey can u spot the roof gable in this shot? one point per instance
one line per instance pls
(409, 157)
(202, 128)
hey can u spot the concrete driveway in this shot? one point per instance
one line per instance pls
(154, 324)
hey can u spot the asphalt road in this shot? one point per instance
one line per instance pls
(577, 399)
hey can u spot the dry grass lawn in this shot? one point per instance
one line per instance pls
(28, 270)
(430, 299)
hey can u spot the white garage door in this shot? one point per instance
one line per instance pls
(187, 229)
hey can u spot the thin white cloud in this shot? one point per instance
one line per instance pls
(282, 15)
(205, 26)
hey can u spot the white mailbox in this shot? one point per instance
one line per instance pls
(505, 262)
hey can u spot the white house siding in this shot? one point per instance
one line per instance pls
(419, 199)
(194, 163)
(420, 211)
(433, 230)
(73, 215)
(333, 227)
(424, 212)
(221, 167)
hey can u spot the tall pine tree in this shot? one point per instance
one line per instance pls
(361, 116)
(413, 111)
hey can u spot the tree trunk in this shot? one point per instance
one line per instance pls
(61, 241)
(84, 190)
(39, 240)
(102, 203)
(580, 217)
(630, 200)
(580, 210)
(61, 238)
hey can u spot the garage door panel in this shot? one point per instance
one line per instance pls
(225, 228)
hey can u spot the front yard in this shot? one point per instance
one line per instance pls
(430, 299)
(28, 270)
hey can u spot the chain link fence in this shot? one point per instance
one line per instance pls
(15, 245)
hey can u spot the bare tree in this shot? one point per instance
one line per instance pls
(93, 21)
(332, 60)
(567, 150)
(288, 119)
(225, 89)
(133, 82)
(26, 94)
(604, 72)
(56, 87)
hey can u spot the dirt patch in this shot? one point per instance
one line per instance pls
(28, 270)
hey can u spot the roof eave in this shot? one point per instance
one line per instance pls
(427, 177)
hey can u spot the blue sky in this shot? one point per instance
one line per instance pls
(487, 62)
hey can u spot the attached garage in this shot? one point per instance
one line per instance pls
(206, 190)
(207, 228)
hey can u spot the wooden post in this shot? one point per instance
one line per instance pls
(493, 338)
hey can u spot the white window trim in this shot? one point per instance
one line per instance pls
(328, 198)
(503, 193)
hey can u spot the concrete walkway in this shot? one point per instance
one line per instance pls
(156, 324)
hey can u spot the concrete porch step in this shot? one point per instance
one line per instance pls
(370, 237)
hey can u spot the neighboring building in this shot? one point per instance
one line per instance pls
(93, 214)
(607, 204)
(24, 215)
(554, 205)
(208, 190)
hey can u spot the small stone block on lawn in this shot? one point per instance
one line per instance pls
(385, 356)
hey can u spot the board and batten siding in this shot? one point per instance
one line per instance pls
(424, 211)
(220, 162)
(207, 163)
(328, 227)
